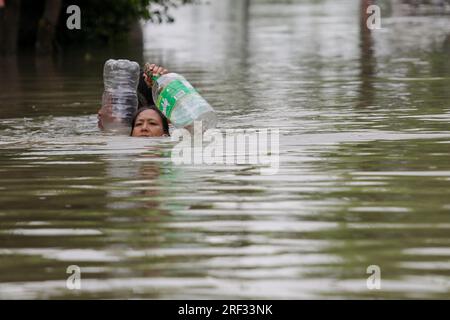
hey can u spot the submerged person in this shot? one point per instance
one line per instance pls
(147, 121)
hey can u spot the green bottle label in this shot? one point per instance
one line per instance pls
(173, 92)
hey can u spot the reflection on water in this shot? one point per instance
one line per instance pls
(364, 174)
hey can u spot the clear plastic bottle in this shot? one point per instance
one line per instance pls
(119, 101)
(181, 103)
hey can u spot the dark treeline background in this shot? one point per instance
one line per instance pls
(39, 26)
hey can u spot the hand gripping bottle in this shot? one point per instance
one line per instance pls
(181, 103)
(119, 101)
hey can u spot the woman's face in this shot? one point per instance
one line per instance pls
(148, 124)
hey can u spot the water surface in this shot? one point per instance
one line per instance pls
(364, 174)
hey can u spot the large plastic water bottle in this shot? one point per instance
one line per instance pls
(119, 101)
(181, 103)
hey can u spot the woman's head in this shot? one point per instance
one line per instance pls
(149, 122)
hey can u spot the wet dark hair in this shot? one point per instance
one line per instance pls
(165, 123)
(145, 98)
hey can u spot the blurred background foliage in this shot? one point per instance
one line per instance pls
(40, 25)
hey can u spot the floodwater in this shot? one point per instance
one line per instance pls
(363, 179)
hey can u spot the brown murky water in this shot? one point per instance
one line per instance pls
(364, 176)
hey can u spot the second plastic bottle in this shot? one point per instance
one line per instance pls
(181, 103)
